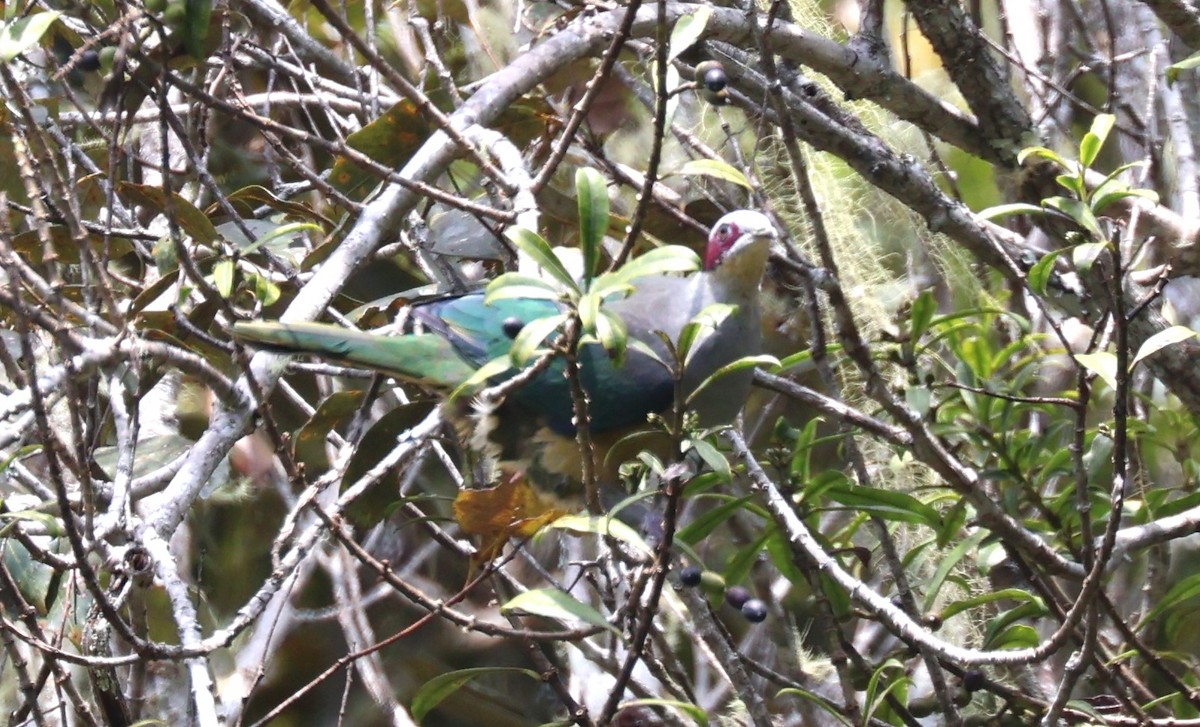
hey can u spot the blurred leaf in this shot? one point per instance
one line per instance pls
(743, 363)
(196, 27)
(519, 285)
(18, 36)
(510, 509)
(699, 528)
(887, 504)
(389, 140)
(818, 701)
(1094, 139)
(691, 710)
(715, 168)
(543, 256)
(688, 29)
(223, 276)
(923, 309)
(1083, 257)
(1039, 274)
(711, 456)
(659, 261)
(591, 188)
(1102, 364)
(1160, 340)
(558, 605)
(1037, 605)
(191, 220)
(948, 563)
(434, 691)
(529, 340)
(1180, 593)
(1186, 64)
(309, 445)
(152, 452)
(1007, 210)
(604, 525)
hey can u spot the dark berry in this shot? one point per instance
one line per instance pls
(89, 60)
(973, 680)
(715, 79)
(736, 596)
(754, 610)
(691, 576)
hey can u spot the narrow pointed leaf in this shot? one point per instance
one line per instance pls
(717, 169)
(1161, 340)
(691, 710)
(1039, 275)
(519, 285)
(437, 689)
(661, 260)
(558, 605)
(1007, 210)
(745, 362)
(531, 337)
(540, 252)
(591, 188)
(495, 367)
(602, 525)
(887, 504)
(1094, 139)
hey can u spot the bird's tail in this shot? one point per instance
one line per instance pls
(425, 359)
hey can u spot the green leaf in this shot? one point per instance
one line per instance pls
(222, 277)
(558, 605)
(1078, 211)
(539, 250)
(745, 362)
(1039, 275)
(923, 309)
(1083, 256)
(591, 188)
(715, 168)
(1186, 64)
(265, 291)
(18, 36)
(947, 564)
(527, 342)
(1160, 340)
(1094, 139)
(601, 525)
(613, 335)
(1102, 364)
(691, 710)
(1043, 153)
(1101, 201)
(278, 232)
(887, 504)
(437, 689)
(1007, 210)
(1183, 591)
(1017, 636)
(1004, 594)
(495, 367)
(519, 285)
(688, 29)
(711, 456)
(702, 526)
(706, 320)
(816, 700)
(659, 261)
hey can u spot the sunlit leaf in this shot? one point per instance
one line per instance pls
(1160, 340)
(606, 526)
(558, 605)
(1103, 364)
(530, 339)
(1094, 138)
(543, 256)
(715, 168)
(19, 35)
(688, 29)
(1039, 274)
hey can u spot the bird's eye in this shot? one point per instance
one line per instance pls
(512, 326)
(724, 232)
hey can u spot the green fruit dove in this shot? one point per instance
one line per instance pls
(532, 432)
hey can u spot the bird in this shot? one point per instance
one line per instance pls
(532, 432)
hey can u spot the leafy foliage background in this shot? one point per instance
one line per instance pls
(966, 496)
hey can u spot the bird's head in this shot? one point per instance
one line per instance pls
(741, 233)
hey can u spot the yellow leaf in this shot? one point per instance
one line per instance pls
(510, 509)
